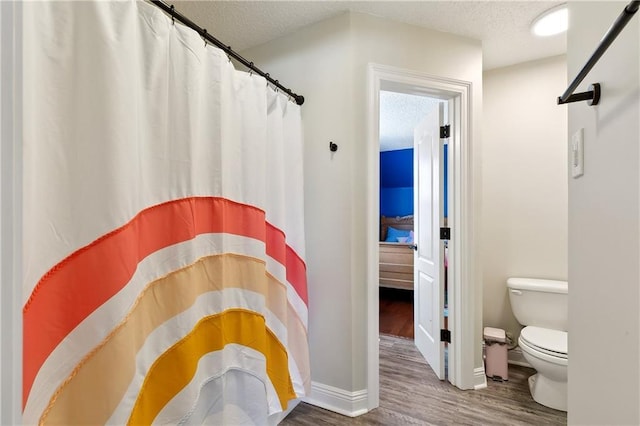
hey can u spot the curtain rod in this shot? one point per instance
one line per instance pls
(170, 9)
(593, 95)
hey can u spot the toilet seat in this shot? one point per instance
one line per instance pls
(549, 342)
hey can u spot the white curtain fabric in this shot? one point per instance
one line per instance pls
(164, 275)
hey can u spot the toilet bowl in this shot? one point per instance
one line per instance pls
(546, 351)
(541, 306)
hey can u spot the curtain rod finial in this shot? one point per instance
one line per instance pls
(299, 99)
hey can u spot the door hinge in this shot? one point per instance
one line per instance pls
(445, 336)
(445, 233)
(445, 131)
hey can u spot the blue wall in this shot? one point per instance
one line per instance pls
(396, 182)
(396, 201)
(396, 168)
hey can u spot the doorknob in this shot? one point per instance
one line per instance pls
(414, 246)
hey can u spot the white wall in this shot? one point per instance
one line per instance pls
(386, 42)
(2, 257)
(604, 225)
(316, 63)
(10, 213)
(524, 182)
(327, 63)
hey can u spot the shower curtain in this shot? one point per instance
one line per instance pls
(164, 274)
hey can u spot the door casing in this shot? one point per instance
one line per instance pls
(461, 293)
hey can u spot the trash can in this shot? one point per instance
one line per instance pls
(495, 358)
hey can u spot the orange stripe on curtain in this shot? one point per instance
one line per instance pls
(296, 268)
(297, 273)
(90, 276)
(177, 366)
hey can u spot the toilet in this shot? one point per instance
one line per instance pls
(541, 306)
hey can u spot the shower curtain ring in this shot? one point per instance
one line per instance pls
(277, 86)
(250, 68)
(267, 77)
(204, 36)
(173, 16)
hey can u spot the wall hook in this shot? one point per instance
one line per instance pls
(333, 147)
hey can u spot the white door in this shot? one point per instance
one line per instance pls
(428, 299)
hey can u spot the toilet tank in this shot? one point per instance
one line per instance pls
(541, 303)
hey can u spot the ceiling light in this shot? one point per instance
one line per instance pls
(553, 21)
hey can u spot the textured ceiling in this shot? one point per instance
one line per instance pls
(503, 26)
(399, 115)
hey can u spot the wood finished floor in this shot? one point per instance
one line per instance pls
(411, 394)
(396, 312)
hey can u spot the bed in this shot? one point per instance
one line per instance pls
(396, 252)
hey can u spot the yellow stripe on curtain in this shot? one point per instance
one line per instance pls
(103, 376)
(176, 367)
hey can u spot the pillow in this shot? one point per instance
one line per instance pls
(393, 234)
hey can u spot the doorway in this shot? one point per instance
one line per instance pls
(400, 114)
(461, 301)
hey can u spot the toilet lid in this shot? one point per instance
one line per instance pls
(547, 340)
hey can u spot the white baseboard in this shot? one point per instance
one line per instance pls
(515, 357)
(343, 402)
(479, 378)
(354, 404)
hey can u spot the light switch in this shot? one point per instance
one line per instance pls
(577, 154)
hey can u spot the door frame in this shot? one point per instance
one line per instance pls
(461, 292)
